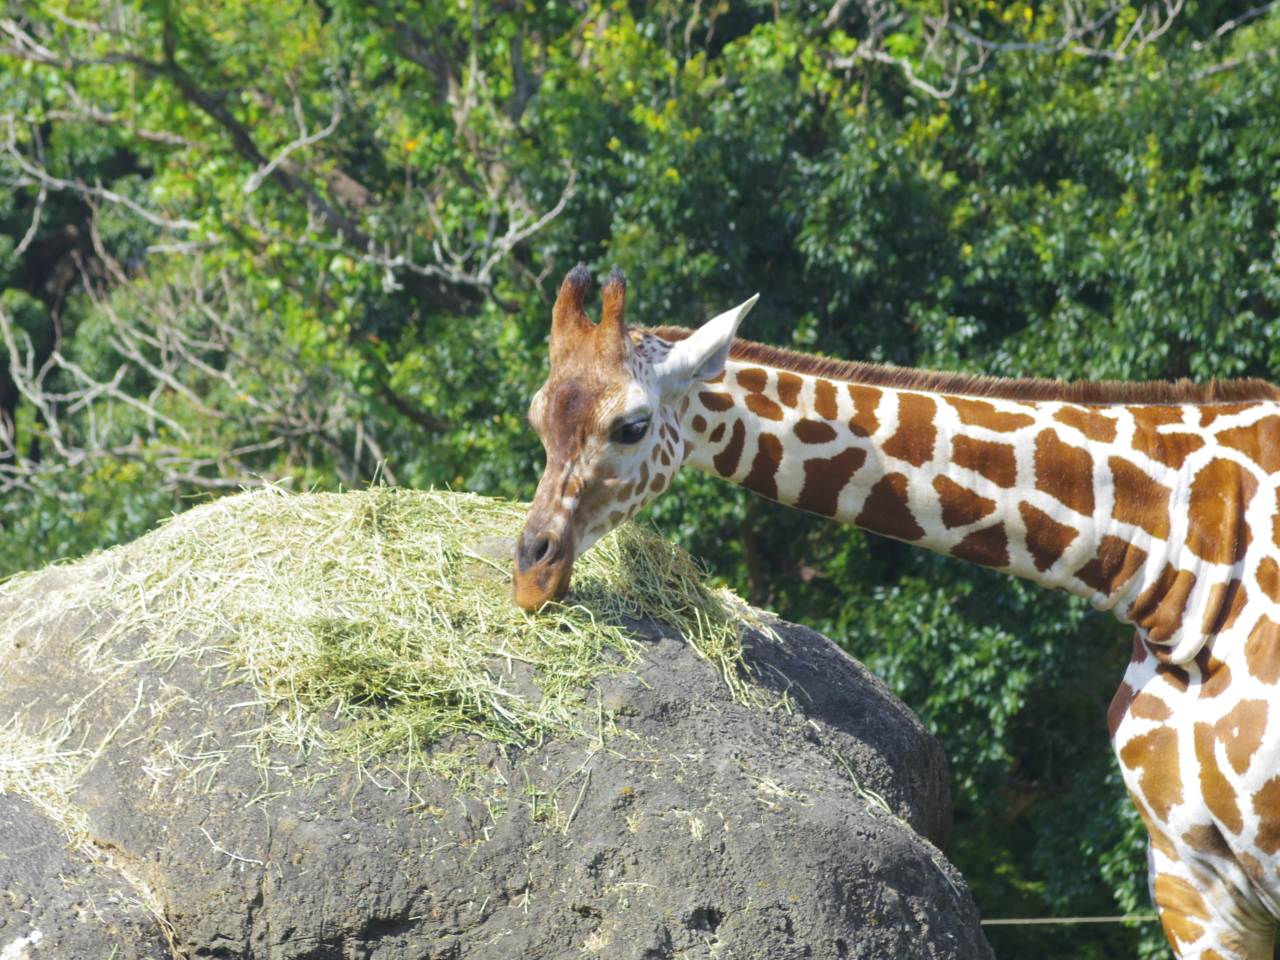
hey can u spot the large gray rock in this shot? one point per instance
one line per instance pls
(685, 824)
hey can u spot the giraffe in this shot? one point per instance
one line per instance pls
(1157, 502)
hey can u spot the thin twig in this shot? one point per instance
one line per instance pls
(255, 181)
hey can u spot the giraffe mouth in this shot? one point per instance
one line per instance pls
(544, 566)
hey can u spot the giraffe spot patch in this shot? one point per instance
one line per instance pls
(1155, 756)
(1147, 706)
(1241, 731)
(960, 505)
(1266, 804)
(825, 402)
(1173, 674)
(715, 402)
(1220, 494)
(1207, 838)
(1064, 472)
(763, 478)
(1139, 499)
(624, 491)
(1047, 539)
(1262, 650)
(1170, 449)
(1159, 608)
(1215, 676)
(1269, 578)
(1260, 442)
(1116, 562)
(699, 423)
(916, 434)
(995, 461)
(1119, 707)
(864, 423)
(659, 483)
(753, 379)
(1226, 600)
(825, 479)
(814, 431)
(1094, 425)
(980, 413)
(1179, 901)
(1212, 412)
(616, 517)
(887, 510)
(789, 386)
(988, 547)
(1155, 415)
(1159, 840)
(1174, 893)
(762, 406)
(717, 434)
(1139, 654)
(1215, 788)
(642, 480)
(726, 461)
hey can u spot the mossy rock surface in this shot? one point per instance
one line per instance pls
(673, 796)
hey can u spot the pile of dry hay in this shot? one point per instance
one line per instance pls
(385, 616)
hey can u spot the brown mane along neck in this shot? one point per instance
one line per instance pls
(994, 388)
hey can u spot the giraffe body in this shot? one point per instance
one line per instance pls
(1156, 502)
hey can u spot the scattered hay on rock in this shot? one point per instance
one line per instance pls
(384, 617)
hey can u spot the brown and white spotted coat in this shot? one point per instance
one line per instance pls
(1158, 502)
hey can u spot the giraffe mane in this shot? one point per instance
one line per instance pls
(995, 388)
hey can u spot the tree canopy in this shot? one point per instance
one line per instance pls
(317, 243)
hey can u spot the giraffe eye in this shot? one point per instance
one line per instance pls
(632, 431)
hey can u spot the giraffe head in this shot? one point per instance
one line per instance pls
(609, 418)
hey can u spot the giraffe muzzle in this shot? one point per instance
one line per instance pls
(544, 566)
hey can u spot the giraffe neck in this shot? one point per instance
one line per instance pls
(1075, 497)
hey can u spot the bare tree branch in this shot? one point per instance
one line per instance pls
(30, 235)
(244, 144)
(471, 265)
(1152, 21)
(881, 24)
(305, 140)
(1083, 32)
(186, 336)
(1238, 21)
(1235, 62)
(35, 175)
(459, 267)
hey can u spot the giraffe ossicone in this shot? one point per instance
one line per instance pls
(1158, 502)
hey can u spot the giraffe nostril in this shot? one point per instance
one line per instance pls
(541, 550)
(538, 549)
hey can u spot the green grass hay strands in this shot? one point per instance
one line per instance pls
(384, 617)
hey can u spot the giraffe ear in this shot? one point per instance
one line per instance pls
(702, 356)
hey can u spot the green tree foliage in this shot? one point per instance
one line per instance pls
(310, 242)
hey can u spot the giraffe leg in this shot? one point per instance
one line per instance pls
(1206, 892)
(1205, 915)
